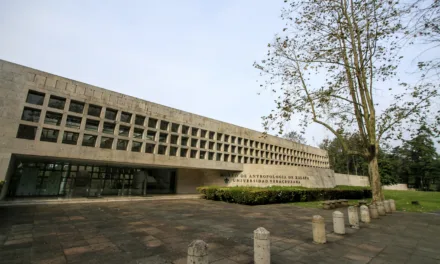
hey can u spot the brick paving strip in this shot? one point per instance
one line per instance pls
(160, 231)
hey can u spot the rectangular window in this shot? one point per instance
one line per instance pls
(125, 117)
(106, 142)
(53, 118)
(139, 120)
(149, 148)
(94, 110)
(175, 128)
(245, 141)
(193, 154)
(245, 160)
(211, 135)
(173, 151)
(151, 135)
(70, 137)
(57, 102)
(219, 146)
(226, 138)
(76, 107)
(219, 157)
(34, 97)
(193, 142)
(185, 130)
(164, 125)
(194, 131)
(122, 144)
(110, 114)
(174, 139)
(136, 146)
(233, 158)
(108, 128)
(26, 132)
(73, 122)
(184, 141)
(219, 136)
(226, 148)
(211, 145)
(233, 149)
(50, 135)
(92, 125)
(152, 122)
(203, 133)
(225, 157)
(202, 154)
(163, 137)
(124, 130)
(233, 139)
(240, 150)
(89, 140)
(239, 140)
(30, 114)
(202, 144)
(162, 150)
(183, 152)
(138, 132)
(211, 156)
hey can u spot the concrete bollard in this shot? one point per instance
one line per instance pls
(365, 214)
(386, 205)
(261, 246)
(380, 208)
(353, 217)
(373, 211)
(338, 223)
(318, 229)
(393, 205)
(197, 252)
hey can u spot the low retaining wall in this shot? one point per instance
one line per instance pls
(351, 180)
(396, 187)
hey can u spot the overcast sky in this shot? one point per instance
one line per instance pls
(194, 55)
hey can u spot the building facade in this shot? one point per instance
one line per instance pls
(65, 138)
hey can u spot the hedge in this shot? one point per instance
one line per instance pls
(270, 195)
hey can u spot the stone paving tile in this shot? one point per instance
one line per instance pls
(160, 231)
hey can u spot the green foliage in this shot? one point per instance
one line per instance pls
(278, 194)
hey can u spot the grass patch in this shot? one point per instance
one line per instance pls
(429, 201)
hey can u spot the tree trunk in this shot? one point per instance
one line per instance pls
(376, 187)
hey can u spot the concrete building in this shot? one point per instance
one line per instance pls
(61, 137)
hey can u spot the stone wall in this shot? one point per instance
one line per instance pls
(351, 180)
(397, 187)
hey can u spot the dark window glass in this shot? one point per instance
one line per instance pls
(203, 133)
(70, 138)
(73, 122)
(184, 141)
(110, 114)
(211, 156)
(219, 157)
(219, 136)
(211, 135)
(202, 154)
(164, 125)
(94, 110)
(89, 140)
(239, 141)
(92, 125)
(30, 114)
(122, 144)
(138, 132)
(233, 140)
(193, 154)
(139, 120)
(211, 145)
(194, 131)
(185, 130)
(106, 142)
(151, 135)
(53, 118)
(149, 148)
(34, 97)
(226, 148)
(183, 152)
(152, 122)
(193, 142)
(26, 132)
(136, 146)
(57, 102)
(125, 117)
(226, 139)
(76, 107)
(50, 135)
(233, 149)
(174, 139)
(162, 150)
(175, 127)
(108, 128)
(202, 144)
(163, 137)
(124, 130)
(219, 146)
(225, 157)
(173, 151)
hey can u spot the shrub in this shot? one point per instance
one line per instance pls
(278, 194)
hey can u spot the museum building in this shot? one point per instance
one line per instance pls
(64, 138)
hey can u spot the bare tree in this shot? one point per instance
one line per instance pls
(327, 65)
(295, 136)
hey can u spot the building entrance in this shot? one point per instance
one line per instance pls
(76, 179)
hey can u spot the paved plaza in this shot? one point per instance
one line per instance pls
(160, 231)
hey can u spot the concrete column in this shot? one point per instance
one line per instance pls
(6, 171)
(392, 205)
(338, 223)
(318, 229)
(197, 252)
(374, 214)
(261, 246)
(353, 217)
(380, 208)
(386, 205)
(365, 214)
